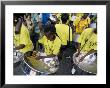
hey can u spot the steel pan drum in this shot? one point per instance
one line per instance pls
(89, 64)
(40, 67)
(17, 56)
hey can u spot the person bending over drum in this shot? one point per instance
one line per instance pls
(22, 40)
(87, 44)
(50, 41)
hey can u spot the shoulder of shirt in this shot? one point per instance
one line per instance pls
(77, 18)
(24, 28)
(57, 38)
(88, 18)
(61, 24)
(88, 30)
(57, 25)
(44, 37)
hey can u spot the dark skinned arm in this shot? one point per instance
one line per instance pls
(21, 46)
(43, 57)
(37, 46)
(78, 49)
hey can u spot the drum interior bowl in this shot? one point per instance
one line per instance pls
(39, 66)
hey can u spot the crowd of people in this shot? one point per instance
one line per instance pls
(53, 33)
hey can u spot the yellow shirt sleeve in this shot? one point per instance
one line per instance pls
(57, 45)
(42, 40)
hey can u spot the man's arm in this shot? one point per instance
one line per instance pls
(78, 49)
(21, 46)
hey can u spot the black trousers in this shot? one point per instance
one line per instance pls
(66, 62)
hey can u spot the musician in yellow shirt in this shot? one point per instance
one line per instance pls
(81, 23)
(87, 47)
(22, 40)
(63, 30)
(87, 42)
(50, 41)
(79, 14)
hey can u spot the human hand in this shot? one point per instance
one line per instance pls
(82, 58)
(77, 54)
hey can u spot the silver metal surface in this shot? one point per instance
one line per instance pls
(52, 67)
(17, 56)
(89, 64)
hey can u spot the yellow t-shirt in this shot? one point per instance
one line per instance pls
(63, 32)
(76, 21)
(79, 14)
(23, 38)
(88, 40)
(51, 47)
(81, 24)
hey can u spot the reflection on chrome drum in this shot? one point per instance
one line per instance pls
(39, 67)
(89, 64)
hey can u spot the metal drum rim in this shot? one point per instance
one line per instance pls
(83, 69)
(33, 68)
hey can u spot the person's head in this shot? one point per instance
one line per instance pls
(17, 17)
(17, 22)
(18, 26)
(73, 14)
(50, 31)
(28, 16)
(64, 17)
(85, 15)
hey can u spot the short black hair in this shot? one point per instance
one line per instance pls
(16, 17)
(27, 14)
(50, 28)
(64, 17)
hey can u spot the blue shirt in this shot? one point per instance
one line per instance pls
(45, 17)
